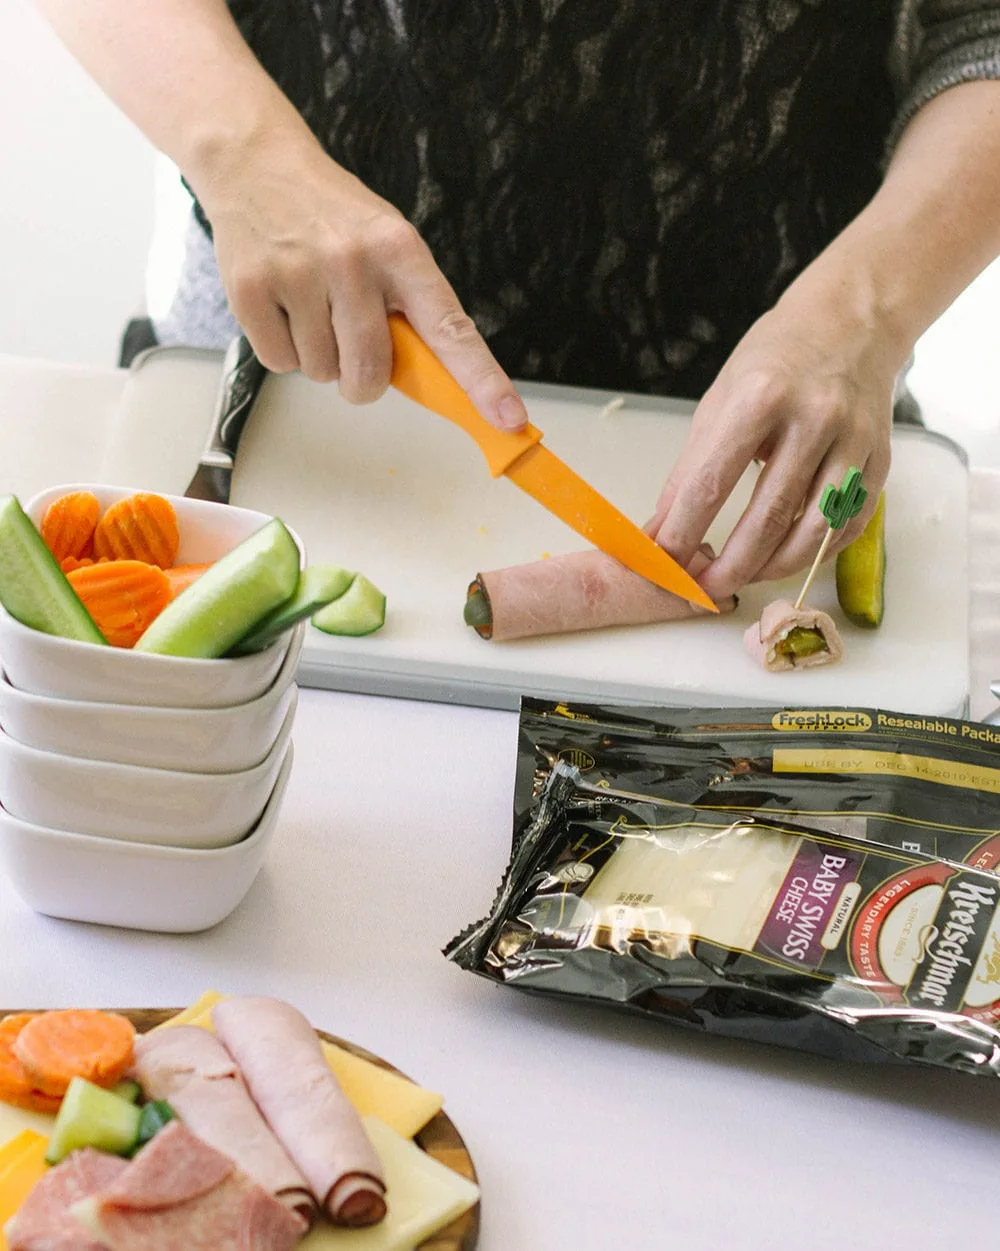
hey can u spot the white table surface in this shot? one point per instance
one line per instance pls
(589, 1129)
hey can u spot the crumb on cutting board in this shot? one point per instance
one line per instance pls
(612, 406)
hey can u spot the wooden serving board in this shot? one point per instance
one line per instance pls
(439, 1137)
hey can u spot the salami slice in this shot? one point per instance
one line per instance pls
(181, 1193)
(197, 1076)
(284, 1067)
(44, 1223)
(582, 591)
(771, 641)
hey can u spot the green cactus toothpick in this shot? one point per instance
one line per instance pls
(838, 505)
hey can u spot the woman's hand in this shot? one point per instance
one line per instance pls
(313, 262)
(808, 392)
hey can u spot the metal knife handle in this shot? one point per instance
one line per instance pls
(242, 375)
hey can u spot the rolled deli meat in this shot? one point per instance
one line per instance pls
(581, 591)
(281, 1060)
(787, 638)
(196, 1075)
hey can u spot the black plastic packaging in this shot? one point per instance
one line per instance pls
(824, 879)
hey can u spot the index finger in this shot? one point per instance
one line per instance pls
(451, 334)
(701, 482)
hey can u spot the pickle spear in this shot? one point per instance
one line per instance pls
(861, 573)
(801, 641)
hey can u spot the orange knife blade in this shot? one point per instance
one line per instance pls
(518, 455)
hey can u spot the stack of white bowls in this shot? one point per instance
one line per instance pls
(141, 790)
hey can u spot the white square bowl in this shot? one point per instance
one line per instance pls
(66, 669)
(135, 804)
(198, 740)
(139, 886)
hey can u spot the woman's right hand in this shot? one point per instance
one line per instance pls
(313, 262)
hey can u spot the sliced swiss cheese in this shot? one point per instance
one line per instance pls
(374, 1091)
(423, 1196)
(14, 1121)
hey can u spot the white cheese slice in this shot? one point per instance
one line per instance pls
(423, 1196)
(13, 1120)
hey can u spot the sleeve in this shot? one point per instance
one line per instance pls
(939, 44)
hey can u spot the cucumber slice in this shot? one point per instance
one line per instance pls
(33, 588)
(229, 599)
(127, 1089)
(360, 610)
(152, 1118)
(90, 1116)
(319, 585)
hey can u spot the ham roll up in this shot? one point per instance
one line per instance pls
(196, 1075)
(582, 591)
(788, 638)
(279, 1055)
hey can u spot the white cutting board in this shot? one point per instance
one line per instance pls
(404, 496)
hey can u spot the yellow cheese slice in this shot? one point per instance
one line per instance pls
(374, 1091)
(17, 1183)
(423, 1196)
(192, 1016)
(12, 1151)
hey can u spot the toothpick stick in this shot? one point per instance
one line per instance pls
(838, 506)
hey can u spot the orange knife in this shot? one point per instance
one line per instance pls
(519, 456)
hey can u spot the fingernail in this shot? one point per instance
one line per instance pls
(512, 413)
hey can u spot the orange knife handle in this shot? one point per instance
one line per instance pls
(418, 373)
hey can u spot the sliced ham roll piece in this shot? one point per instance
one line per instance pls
(582, 591)
(44, 1222)
(197, 1076)
(284, 1067)
(180, 1193)
(767, 640)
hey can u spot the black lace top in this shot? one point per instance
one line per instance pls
(617, 189)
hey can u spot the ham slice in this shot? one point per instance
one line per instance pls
(582, 591)
(198, 1077)
(776, 622)
(284, 1067)
(180, 1194)
(44, 1223)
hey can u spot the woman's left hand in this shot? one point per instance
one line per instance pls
(808, 392)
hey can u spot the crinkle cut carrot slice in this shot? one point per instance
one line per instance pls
(57, 1046)
(69, 523)
(15, 1085)
(181, 576)
(139, 527)
(123, 596)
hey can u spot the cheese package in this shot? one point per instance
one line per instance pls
(820, 878)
